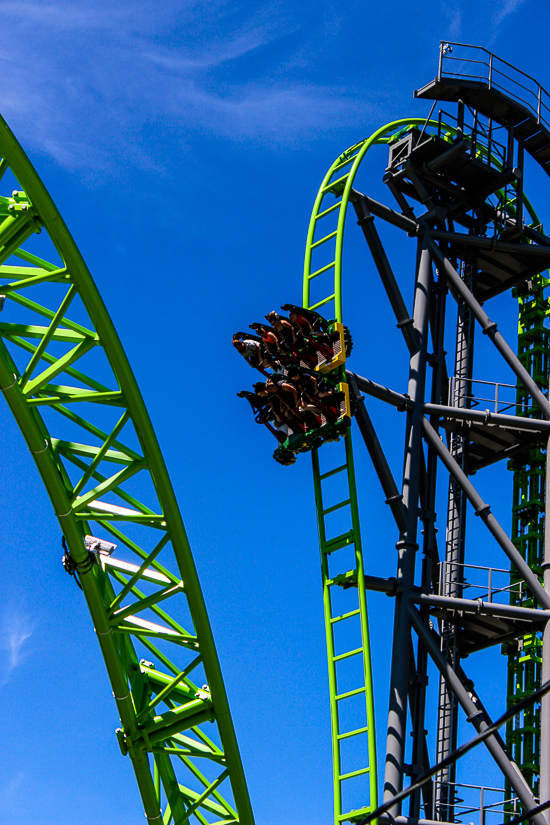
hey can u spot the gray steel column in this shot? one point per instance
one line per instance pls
(451, 572)
(407, 546)
(479, 720)
(544, 790)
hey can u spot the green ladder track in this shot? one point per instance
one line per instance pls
(322, 235)
(326, 279)
(71, 390)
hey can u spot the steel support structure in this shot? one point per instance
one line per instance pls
(456, 186)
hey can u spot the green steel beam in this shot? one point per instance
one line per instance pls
(147, 649)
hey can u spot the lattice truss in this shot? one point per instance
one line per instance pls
(67, 380)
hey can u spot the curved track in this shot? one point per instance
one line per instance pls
(322, 290)
(69, 385)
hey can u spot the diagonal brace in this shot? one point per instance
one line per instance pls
(476, 717)
(490, 329)
(482, 509)
(385, 476)
(404, 320)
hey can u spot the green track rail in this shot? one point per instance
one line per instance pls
(326, 233)
(69, 385)
(326, 237)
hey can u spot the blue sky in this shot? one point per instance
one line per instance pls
(184, 144)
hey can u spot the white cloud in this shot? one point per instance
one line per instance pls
(95, 86)
(15, 629)
(507, 7)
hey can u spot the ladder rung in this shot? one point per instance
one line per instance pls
(336, 507)
(333, 472)
(347, 655)
(354, 814)
(324, 240)
(338, 542)
(345, 616)
(320, 271)
(345, 163)
(328, 211)
(334, 183)
(352, 733)
(354, 773)
(323, 302)
(350, 693)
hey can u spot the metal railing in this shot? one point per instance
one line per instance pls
(497, 402)
(452, 575)
(462, 60)
(480, 800)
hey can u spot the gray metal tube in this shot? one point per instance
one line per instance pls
(455, 151)
(478, 606)
(404, 320)
(477, 718)
(402, 402)
(407, 547)
(545, 702)
(529, 250)
(487, 417)
(482, 510)
(387, 214)
(393, 497)
(490, 329)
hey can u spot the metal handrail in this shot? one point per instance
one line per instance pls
(536, 108)
(483, 807)
(447, 569)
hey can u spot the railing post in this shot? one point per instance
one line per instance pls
(481, 808)
(490, 585)
(539, 104)
(496, 398)
(440, 67)
(490, 70)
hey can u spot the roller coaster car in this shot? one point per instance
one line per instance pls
(295, 443)
(337, 339)
(338, 334)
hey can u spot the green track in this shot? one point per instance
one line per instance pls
(326, 232)
(335, 549)
(68, 383)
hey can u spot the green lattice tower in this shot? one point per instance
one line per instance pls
(524, 657)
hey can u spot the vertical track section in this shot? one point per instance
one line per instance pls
(322, 291)
(330, 545)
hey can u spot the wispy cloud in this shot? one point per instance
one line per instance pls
(11, 788)
(507, 7)
(454, 24)
(15, 628)
(116, 78)
(503, 10)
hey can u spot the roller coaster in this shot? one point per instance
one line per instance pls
(456, 181)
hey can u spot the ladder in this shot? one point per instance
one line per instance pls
(331, 547)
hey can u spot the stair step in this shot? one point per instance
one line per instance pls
(543, 154)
